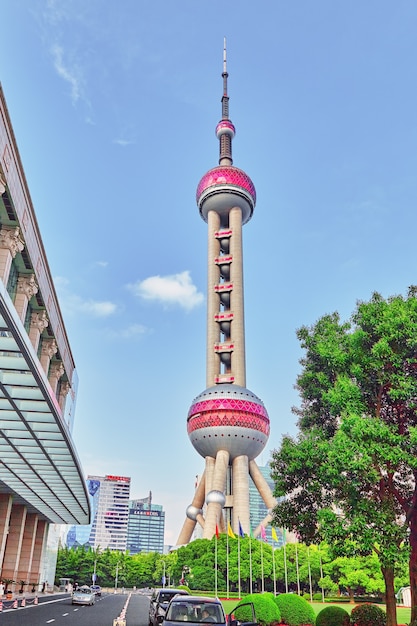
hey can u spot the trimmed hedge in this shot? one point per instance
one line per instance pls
(295, 610)
(333, 616)
(266, 609)
(368, 615)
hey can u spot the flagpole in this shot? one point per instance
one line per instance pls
(215, 567)
(309, 574)
(273, 567)
(321, 575)
(298, 573)
(285, 560)
(227, 565)
(238, 563)
(262, 566)
(250, 562)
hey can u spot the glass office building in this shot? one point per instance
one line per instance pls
(109, 496)
(146, 526)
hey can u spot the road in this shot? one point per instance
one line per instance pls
(58, 611)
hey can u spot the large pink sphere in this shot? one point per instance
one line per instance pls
(223, 188)
(228, 417)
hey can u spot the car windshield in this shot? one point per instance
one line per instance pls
(195, 612)
(165, 597)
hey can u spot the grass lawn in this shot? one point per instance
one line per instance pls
(403, 614)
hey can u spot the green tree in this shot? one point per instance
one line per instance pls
(350, 475)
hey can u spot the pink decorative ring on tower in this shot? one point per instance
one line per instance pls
(223, 187)
(228, 417)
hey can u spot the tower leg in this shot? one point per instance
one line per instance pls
(214, 508)
(189, 524)
(262, 486)
(264, 491)
(240, 488)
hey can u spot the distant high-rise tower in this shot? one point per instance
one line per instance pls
(227, 424)
(110, 512)
(146, 526)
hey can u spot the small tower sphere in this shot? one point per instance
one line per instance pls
(223, 188)
(225, 127)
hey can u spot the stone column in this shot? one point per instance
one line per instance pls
(14, 541)
(39, 321)
(56, 371)
(213, 277)
(26, 288)
(28, 545)
(49, 350)
(63, 392)
(6, 501)
(10, 244)
(236, 298)
(240, 481)
(40, 538)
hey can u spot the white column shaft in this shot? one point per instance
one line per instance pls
(213, 277)
(214, 509)
(236, 298)
(240, 482)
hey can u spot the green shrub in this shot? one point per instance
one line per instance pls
(333, 616)
(306, 596)
(368, 615)
(185, 588)
(295, 610)
(266, 610)
(317, 597)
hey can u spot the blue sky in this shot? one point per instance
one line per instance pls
(114, 106)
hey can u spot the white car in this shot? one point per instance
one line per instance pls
(83, 595)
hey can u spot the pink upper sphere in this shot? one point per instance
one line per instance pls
(226, 175)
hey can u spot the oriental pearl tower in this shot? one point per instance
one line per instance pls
(227, 424)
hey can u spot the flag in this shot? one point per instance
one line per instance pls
(274, 534)
(230, 531)
(263, 533)
(217, 532)
(241, 533)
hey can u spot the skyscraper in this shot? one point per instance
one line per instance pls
(227, 424)
(110, 511)
(146, 526)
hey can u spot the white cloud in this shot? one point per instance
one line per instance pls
(123, 142)
(65, 72)
(131, 332)
(177, 289)
(97, 309)
(72, 304)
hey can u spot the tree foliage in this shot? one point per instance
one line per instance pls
(350, 475)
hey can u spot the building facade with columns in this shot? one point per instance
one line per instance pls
(41, 479)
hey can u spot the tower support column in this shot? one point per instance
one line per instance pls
(213, 276)
(214, 506)
(236, 303)
(240, 480)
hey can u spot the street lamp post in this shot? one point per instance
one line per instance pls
(116, 578)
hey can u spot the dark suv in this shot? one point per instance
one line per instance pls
(159, 602)
(199, 610)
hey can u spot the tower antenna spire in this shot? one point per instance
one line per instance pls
(225, 130)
